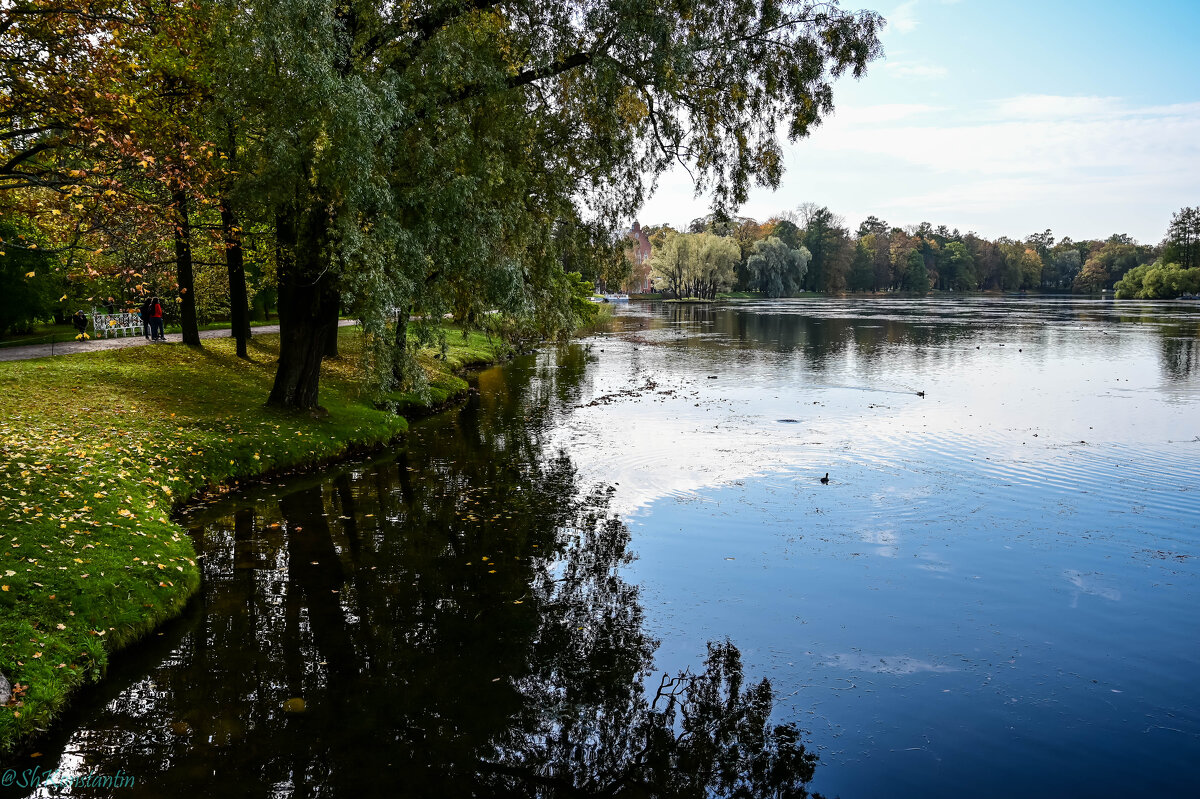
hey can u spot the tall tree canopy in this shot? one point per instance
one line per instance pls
(427, 157)
(1183, 238)
(695, 264)
(776, 269)
(442, 156)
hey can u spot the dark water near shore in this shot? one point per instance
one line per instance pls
(996, 594)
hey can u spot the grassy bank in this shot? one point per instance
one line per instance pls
(97, 449)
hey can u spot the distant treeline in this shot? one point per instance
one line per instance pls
(812, 249)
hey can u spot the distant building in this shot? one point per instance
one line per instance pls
(637, 250)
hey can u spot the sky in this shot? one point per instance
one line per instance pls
(1002, 117)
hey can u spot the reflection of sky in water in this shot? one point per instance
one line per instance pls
(1003, 570)
(1025, 399)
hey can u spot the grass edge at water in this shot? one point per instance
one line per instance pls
(97, 450)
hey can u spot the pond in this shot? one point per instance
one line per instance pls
(616, 570)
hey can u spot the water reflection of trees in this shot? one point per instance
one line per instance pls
(1179, 350)
(456, 623)
(937, 333)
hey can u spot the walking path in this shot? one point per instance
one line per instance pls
(71, 347)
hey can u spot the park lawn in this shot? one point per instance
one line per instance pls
(98, 449)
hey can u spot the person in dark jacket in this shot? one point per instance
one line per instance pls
(144, 313)
(156, 320)
(80, 322)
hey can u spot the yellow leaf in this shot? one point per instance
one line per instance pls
(62, 298)
(3, 587)
(30, 274)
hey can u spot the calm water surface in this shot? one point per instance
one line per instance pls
(996, 593)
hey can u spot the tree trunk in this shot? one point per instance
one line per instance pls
(183, 266)
(331, 332)
(308, 298)
(239, 307)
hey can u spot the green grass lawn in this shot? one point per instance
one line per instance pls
(97, 450)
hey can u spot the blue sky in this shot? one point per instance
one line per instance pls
(1005, 118)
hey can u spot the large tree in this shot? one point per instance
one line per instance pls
(695, 264)
(827, 240)
(1158, 281)
(102, 123)
(916, 275)
(421, 157)
(955, 267)
(405, 160)
(1108, 263)
(775, 269)
(1183, 238)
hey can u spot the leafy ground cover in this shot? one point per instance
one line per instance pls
(97, 449)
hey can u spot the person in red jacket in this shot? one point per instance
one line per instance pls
(156, 321)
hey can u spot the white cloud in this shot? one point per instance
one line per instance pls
(1049, 137)
(1048, 106)
(885, 112)
(914, 69)
(1083, 165)
(903, 18)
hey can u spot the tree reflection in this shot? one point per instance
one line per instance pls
(1179, 351)
(456, 622)
(700, 735)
